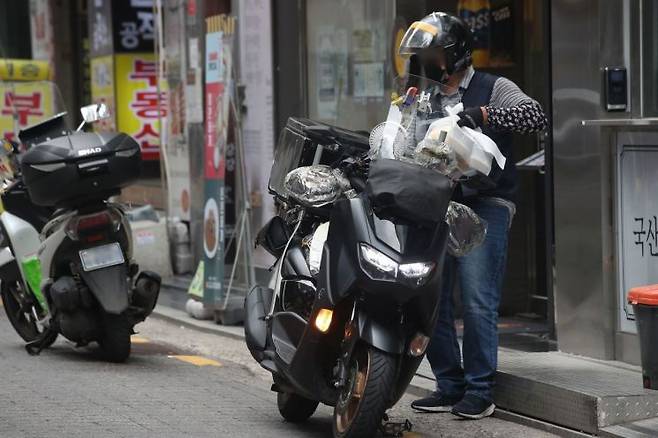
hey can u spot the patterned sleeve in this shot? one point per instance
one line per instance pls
(510, 109)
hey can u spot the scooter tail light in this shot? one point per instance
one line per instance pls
(418, 345)
(86, 224)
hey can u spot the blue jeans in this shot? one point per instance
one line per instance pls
(480, 275)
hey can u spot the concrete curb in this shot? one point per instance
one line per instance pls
(181, 318)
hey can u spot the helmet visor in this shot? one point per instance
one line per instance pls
(419, 36)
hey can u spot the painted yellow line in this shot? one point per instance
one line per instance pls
(135, 339)
(411, 435)
(197, 360)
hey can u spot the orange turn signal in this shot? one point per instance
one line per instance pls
(418, 345)
(323, 320)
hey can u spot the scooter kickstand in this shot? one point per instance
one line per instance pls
(35, 347)
(394, 429)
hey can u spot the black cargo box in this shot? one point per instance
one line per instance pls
(72, 170)
(304, 142)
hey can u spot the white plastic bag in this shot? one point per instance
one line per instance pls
(474, 150)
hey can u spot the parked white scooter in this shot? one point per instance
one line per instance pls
(65, 261)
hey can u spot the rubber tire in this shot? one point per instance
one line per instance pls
(115, 341)
(29, 332)
(381, 378)
(295, 408)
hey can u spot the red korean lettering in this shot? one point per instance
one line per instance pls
(150, 104)
(23, 105)
(145, 70)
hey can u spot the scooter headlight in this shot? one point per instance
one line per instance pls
(377, 265)
(417, 273)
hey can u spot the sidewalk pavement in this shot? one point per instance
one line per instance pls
(561, 393)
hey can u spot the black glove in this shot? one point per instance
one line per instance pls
(471, 118)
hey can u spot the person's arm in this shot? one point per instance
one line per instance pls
(510, 109)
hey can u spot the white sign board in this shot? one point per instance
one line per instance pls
(637, 203)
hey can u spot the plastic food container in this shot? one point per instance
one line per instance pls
(645, 305)
(468, 152)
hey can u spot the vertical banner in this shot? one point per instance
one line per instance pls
(219, 47)
(177, 150)
(257, 124)
(100, 28)
(139, 106)
(41, 31)
(102, 90)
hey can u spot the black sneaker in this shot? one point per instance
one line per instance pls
(435, 403)
(473, 407)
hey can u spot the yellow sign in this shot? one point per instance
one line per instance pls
(399, 62)
(139, 107)
(102, 90)
(24, 70)
(24, 104)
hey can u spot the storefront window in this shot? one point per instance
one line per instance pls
(650, 57)
(350, 60)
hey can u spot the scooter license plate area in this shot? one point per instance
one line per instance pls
(101, 257)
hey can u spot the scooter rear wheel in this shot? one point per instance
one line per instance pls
(115, 341)
(364, 399)
(20, 310)
(295, 408)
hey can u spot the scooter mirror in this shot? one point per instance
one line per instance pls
(95, 112)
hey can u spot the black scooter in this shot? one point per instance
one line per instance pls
(351, 334)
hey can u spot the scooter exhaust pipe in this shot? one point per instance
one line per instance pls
(146, 291)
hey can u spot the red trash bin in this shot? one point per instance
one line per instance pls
(645, 304)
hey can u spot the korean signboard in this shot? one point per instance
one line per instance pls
(134, 25)
(219, 46)
(24, 70)
(140, 106)
(637, 205)
(23, 104)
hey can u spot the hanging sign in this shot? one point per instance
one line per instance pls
(24, 70)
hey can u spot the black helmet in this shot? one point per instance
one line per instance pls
(444, 31)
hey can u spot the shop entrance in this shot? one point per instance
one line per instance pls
(351, 60)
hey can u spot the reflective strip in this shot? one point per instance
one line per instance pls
(426, 27)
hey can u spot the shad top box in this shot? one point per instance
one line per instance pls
(72, 170)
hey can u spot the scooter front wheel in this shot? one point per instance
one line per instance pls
(364, 398)
(295, 408)
(20, 310)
